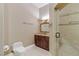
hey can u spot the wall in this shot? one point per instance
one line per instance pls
(22, 21)
(52, 21)
(70, 33)
(44, 12)
(1, 28)
(6, 21)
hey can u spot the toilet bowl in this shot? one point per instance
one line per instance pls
(18, 49)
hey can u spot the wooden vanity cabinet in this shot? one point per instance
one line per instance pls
(42, 41)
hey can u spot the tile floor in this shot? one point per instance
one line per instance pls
(34, 51)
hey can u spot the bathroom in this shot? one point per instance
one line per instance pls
(57, 23)
(22, 21)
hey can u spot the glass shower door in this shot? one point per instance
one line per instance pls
(70, 39)
(68, 28)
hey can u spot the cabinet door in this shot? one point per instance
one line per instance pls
(42, 42)
(36, 37)
(45, 42)
(37, 41)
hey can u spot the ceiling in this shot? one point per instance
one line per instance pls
(39, 5)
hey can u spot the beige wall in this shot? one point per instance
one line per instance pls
(6, 21)
(21, 23)
(1, 28)
(52, 20)
(44, 12)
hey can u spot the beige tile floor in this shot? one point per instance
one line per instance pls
(34, 51)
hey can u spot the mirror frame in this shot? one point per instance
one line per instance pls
(45, 22)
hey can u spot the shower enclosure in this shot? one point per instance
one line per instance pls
(67, 30)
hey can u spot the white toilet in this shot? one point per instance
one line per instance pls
(19, 49)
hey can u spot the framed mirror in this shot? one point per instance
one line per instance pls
(44, 27)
